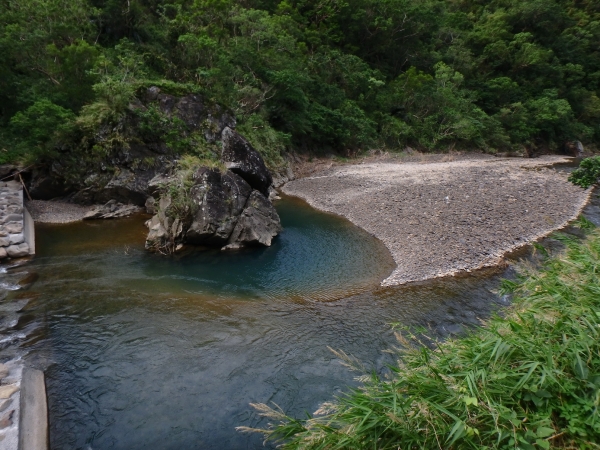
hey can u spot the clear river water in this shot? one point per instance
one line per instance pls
(144, 351)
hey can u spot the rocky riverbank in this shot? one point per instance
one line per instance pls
(442, 218)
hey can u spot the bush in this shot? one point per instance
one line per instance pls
(37, 129)
(271, 144)
(587, 174)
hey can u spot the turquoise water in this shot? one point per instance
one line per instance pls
(144, 351)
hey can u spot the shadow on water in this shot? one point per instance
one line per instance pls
(143, 351)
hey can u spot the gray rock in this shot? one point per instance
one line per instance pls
(158, 181)
(5, 403)
(191, 110)
(273, 194)
(18, 251)
(284, 177)
(127, 187)
(14, 227)
(197, 114)
(3, 253)
(17, 218)
(220, 199)
(574, 148)
(14, 239)
(241, 158)
(158, 236)
(15, 209)
(3, 371)
(111, 210)
(152, 93)
(257, 225)
(164, 235)
(150, 205)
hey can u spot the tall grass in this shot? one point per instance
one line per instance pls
(528, 380)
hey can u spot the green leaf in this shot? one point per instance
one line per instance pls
(543, 393)
(580, 368)
(543, 432)
(470, 401)
(542, 444)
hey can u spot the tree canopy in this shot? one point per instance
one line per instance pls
(343, 75)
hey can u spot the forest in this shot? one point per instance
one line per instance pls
(339, 76)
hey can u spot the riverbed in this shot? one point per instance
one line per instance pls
(143, 351)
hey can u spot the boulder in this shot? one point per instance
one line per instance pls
(258, 224)
(219, 199)
(111, 210)
(17, 251)
(223, 210)
(574, 148)
(158, 235)
(17, 238)
(241, 158)
(150, 205)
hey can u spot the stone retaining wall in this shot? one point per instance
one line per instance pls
(13, 241)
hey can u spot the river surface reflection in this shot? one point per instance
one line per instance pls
(144, 351)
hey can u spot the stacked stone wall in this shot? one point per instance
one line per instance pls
(13, 242)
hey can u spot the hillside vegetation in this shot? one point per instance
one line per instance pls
(335, 75)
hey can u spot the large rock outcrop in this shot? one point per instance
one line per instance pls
(226, 213)
(136, 150)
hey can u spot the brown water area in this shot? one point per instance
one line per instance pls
(146, 351)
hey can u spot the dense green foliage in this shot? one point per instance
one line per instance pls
(530, 380)
(321, 74)
(587, 174)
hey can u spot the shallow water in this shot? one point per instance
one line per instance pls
(145, 351)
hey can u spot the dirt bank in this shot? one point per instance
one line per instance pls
(440, 218)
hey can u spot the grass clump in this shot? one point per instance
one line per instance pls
(528, 380)
(179, 186)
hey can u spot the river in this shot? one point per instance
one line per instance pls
(147, 351)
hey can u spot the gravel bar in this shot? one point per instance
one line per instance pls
(43, 211)
(442, 218)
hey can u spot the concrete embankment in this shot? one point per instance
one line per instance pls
(23, 408)
(442, 218)
(33, 423)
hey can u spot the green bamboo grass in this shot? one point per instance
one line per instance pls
(528, 380)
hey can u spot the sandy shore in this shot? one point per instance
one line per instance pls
(441, 218)
(55, 212)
